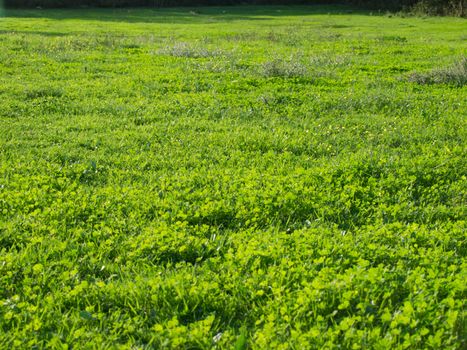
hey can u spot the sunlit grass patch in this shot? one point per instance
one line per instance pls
(255, 177)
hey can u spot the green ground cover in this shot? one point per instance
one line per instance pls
(247, 177)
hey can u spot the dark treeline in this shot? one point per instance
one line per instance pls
(426, 6)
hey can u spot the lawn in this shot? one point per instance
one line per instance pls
(232, 178)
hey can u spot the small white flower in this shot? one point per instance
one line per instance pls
(217, 337)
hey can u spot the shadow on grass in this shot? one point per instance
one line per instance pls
(188, 15)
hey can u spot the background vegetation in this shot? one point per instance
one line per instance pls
(455, 7)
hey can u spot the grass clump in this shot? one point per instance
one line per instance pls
(278, 67)
(188, 50)
(454, 75)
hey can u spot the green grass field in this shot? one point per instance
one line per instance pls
(232, 178)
